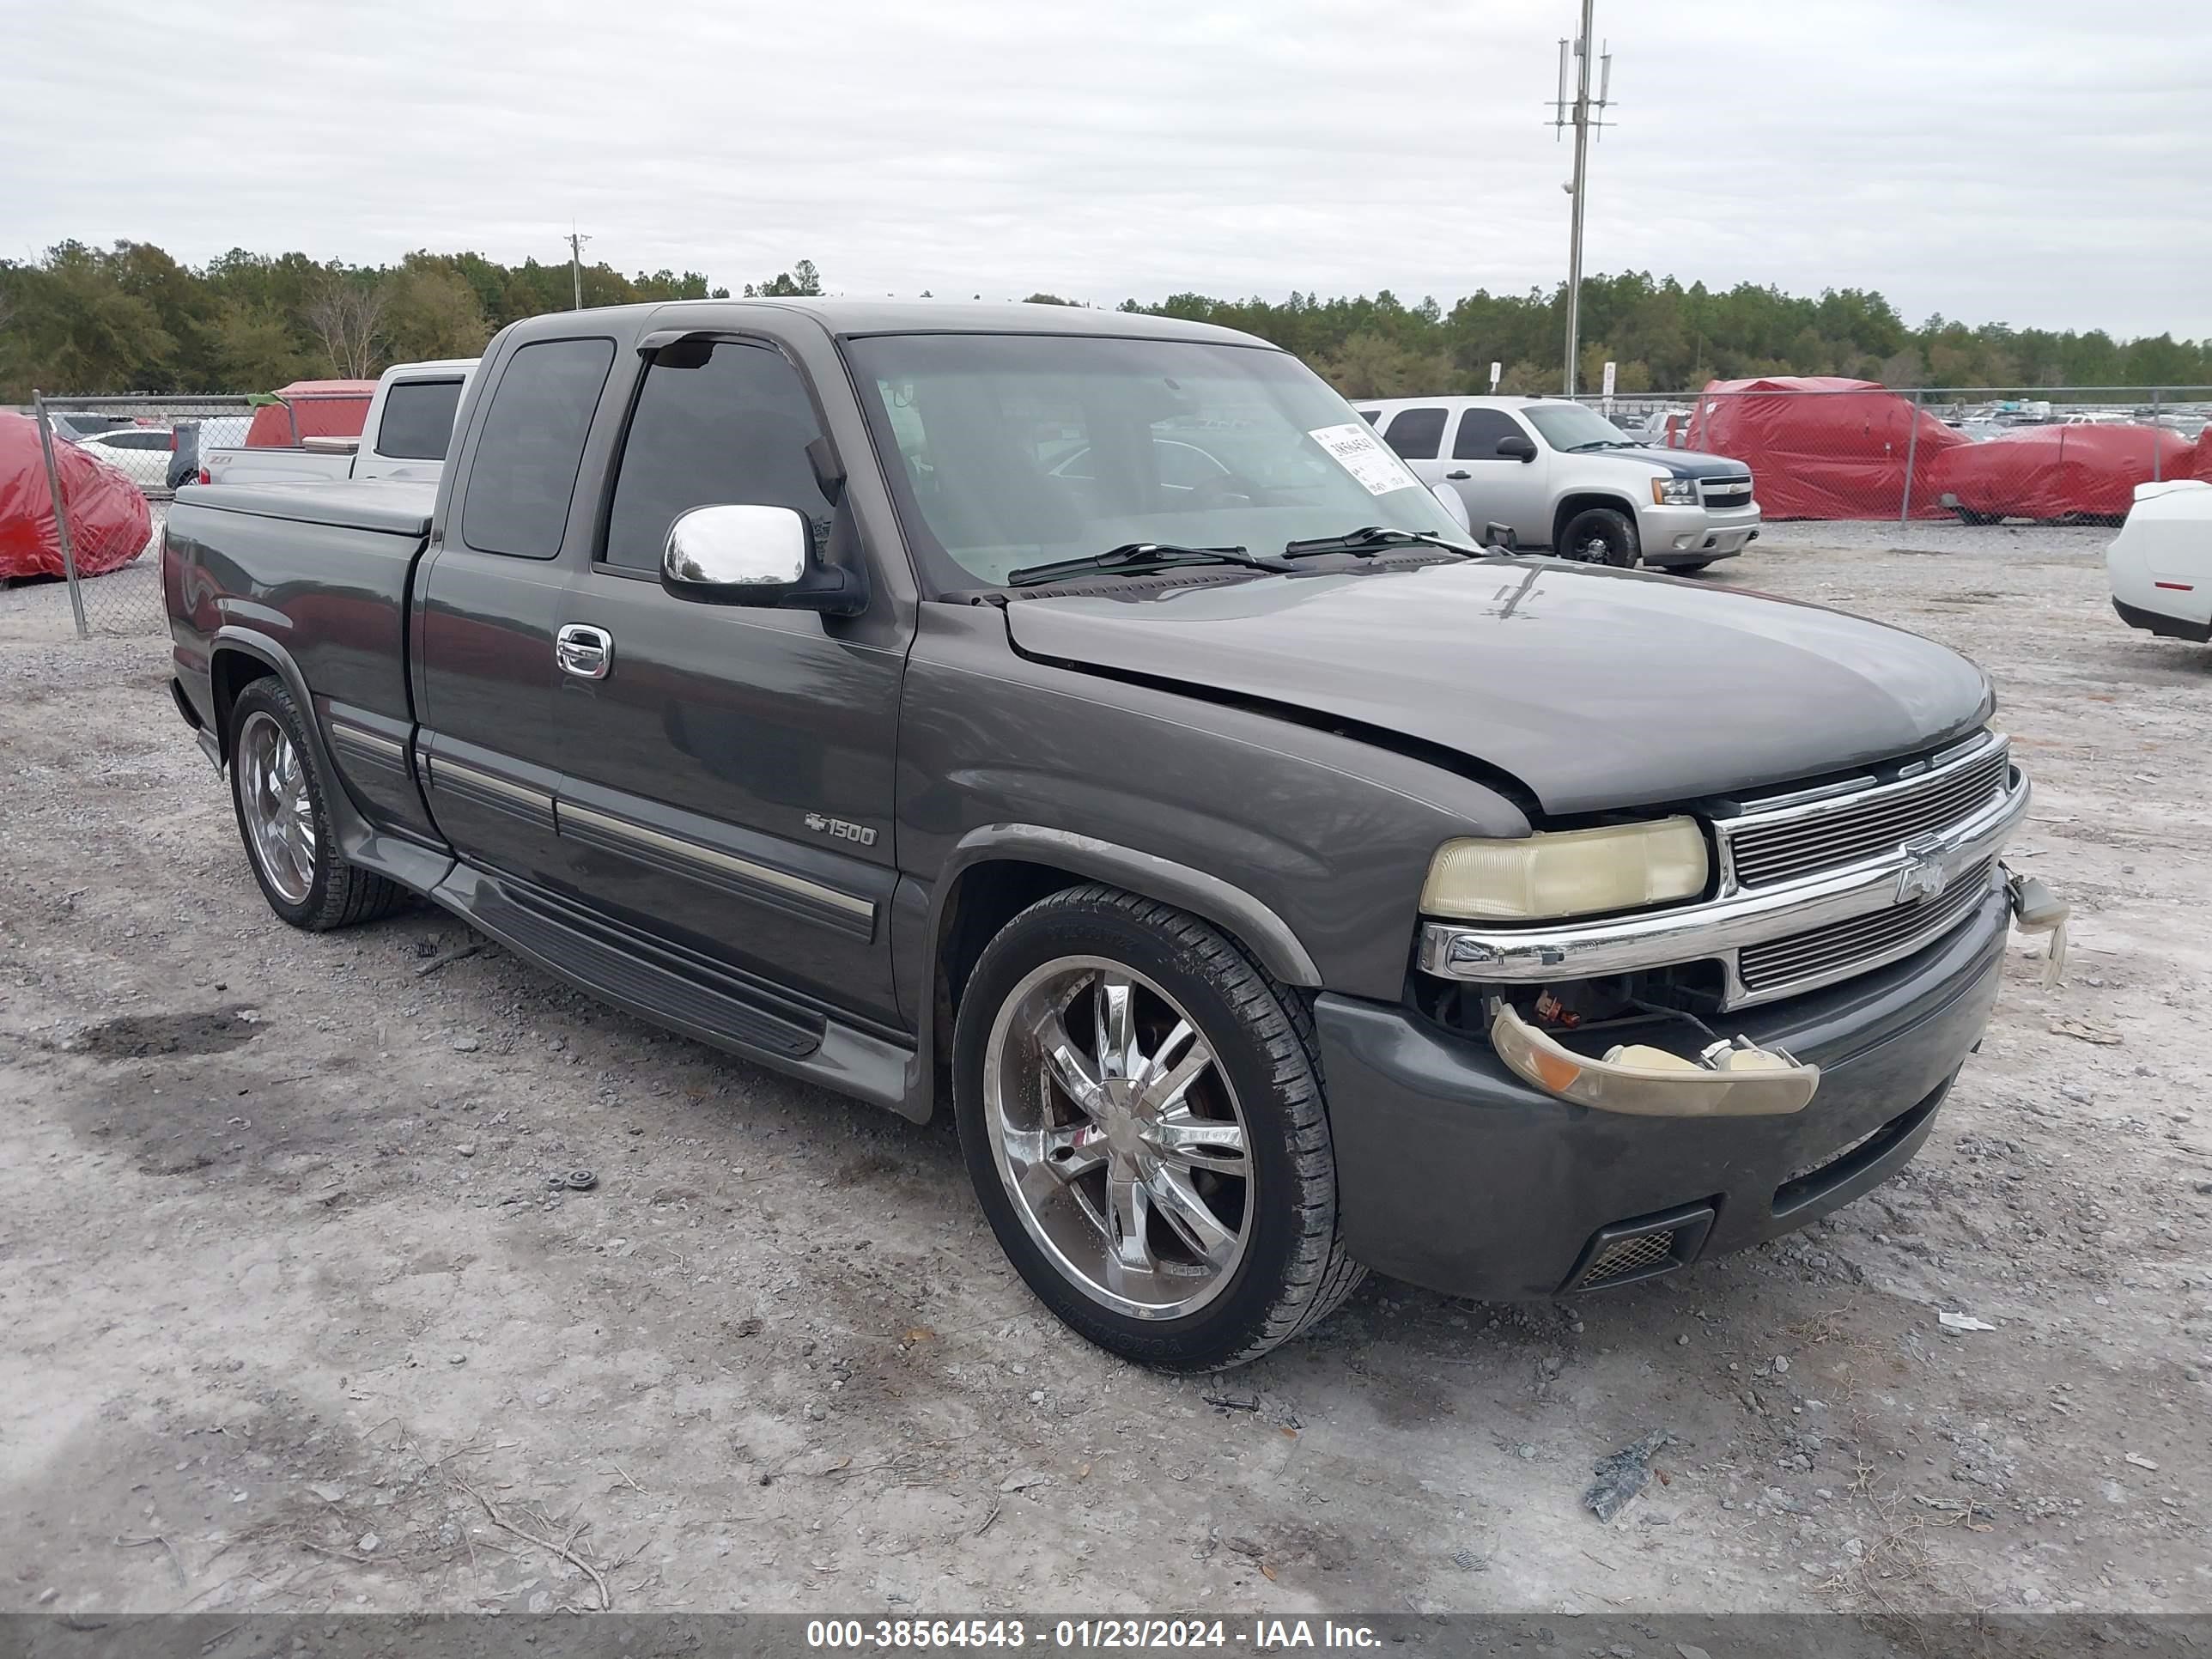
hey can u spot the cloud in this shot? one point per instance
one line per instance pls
(2018, 161)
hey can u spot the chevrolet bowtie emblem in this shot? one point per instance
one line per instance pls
(1923, 875)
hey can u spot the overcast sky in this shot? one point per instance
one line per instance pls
(2042, 163)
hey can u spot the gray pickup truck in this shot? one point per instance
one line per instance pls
(1083, 719)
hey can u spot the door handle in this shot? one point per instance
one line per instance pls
(584, 651)
(1461, 476)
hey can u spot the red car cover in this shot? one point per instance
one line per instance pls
(2061, 471)
(2196, 461)
(1820, 446)
(109, 523)
(324, 409)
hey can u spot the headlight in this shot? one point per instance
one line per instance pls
(1675, 492)
(1574, 872)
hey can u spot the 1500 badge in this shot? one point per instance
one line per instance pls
(858, 834)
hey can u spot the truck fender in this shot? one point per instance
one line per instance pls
(405, 861)
(918, 922)
(1266, 934)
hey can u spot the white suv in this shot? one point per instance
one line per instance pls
(1559, 475)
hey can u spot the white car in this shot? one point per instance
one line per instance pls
(146, 455)
(2160, 563)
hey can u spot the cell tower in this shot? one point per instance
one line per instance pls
(1575, 108)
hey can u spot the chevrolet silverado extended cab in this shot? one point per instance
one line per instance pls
(1559, 475)
(1083, 719)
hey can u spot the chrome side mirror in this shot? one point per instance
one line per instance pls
(753, 556)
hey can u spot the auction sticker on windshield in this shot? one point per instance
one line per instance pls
(1355, 447)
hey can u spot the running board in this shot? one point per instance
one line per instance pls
(674, 990)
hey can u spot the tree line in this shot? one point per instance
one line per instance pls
(129, 317)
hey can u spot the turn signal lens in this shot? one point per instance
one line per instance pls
(1574, 872)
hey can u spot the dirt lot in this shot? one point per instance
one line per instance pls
(294, 1316)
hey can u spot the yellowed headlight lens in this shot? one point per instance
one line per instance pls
(1573, 873)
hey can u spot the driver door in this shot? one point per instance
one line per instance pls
(728, 775)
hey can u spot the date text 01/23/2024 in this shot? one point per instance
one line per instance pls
(1260, 1636)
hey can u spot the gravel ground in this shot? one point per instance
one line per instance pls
(296, 1323)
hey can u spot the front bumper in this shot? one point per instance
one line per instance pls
(1454, 1174)
(1694, 535)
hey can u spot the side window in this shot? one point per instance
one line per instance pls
(732, 426)
(1370, 416)
(524, 470)
(1479, 429)
(418, 419)
(1416, 433)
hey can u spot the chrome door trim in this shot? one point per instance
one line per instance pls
(468, 777)
(715, 859)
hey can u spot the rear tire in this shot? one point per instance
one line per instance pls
(1141, 1109)
(282, 802)
(1601, 535)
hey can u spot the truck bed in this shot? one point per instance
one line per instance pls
(392, 506)
(321, 571)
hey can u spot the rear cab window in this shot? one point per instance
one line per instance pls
(522, 474)
(418, 419)
(1416, 433)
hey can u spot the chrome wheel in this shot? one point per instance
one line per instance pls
(273, 799)
(1596, 550)
(1118, 1137)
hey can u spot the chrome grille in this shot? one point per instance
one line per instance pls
(1865, 824)
(1726, 492)
(1860, 943)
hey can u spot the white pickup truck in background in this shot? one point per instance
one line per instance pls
(405, 435)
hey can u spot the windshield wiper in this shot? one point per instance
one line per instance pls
(1135, 557)
(1604, 443)
(1370, 539)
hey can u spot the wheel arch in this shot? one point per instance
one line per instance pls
(998, 871)
(238, 656)
(1582, 501)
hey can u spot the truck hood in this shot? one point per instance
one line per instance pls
(1678, 463)
(1595, 689)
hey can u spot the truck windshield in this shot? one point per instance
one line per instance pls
(1010, 450)
(1572, 426)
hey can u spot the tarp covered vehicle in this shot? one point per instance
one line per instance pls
(1824, 447)
(2051, 473)
(109, 522)
(311, 408)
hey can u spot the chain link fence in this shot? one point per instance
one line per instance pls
(1819, 449)
(90, 447)
(1839, 449)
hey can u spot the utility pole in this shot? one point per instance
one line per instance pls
(1575, 108)
(576, 264)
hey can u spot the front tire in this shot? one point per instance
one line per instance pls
(1140, 1111)
(1601, 535)
(282, 802)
